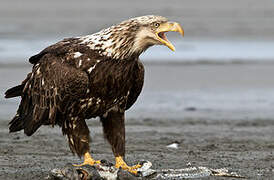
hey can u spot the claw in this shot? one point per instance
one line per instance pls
(88, 160)
(136, 166)
(120, 163)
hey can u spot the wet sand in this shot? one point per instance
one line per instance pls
(213, 139)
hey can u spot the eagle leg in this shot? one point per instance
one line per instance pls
(114, 131)
(77, 132)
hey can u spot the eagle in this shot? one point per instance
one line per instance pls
(97, 75)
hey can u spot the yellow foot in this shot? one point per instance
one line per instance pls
(120, 163)
(88, 160)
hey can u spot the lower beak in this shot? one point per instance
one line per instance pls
(166, 27)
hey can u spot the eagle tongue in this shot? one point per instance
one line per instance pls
(163, 36)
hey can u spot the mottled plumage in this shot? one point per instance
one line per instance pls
(97, 75)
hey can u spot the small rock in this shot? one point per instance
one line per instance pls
(190, 109)
(173, 146)
(188, 164)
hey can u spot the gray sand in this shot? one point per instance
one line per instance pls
(243, 146)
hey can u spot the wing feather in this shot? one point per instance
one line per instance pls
(137, 84)
(70, 79)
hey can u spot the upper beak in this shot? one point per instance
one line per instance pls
(166, 27)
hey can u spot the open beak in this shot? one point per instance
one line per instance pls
(166, 27)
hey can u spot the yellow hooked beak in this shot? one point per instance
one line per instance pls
(166, 27)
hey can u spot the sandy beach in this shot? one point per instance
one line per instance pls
(218, 106)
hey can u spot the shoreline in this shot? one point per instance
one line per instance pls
(184, 91)
(188, 52)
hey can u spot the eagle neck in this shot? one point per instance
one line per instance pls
(115, 42)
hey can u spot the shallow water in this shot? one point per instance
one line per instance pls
(212, 104)
(14, 51)
(175, 92)
(214, 51)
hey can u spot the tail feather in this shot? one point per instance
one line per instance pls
(16, 124)
(33, 110)
(28, 118)
(34, 120)
(14, 91)
(23, 115)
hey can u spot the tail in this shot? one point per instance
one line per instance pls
(14, 91)
(24, 116)
(16, 123)
(24, 113)
(35, 109)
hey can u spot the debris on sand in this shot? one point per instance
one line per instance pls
(194, 172)
(102, 171)
(174, 145)
(190, 109)
(106, 171)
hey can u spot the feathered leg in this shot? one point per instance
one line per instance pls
(77, 132)
(114, 131)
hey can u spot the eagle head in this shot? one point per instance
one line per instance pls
(130, 38)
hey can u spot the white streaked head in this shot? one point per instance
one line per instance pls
(131, 37)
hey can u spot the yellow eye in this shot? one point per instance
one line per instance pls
(156, 25)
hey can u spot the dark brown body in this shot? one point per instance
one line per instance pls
(66, 90)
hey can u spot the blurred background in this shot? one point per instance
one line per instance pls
(222, 68)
